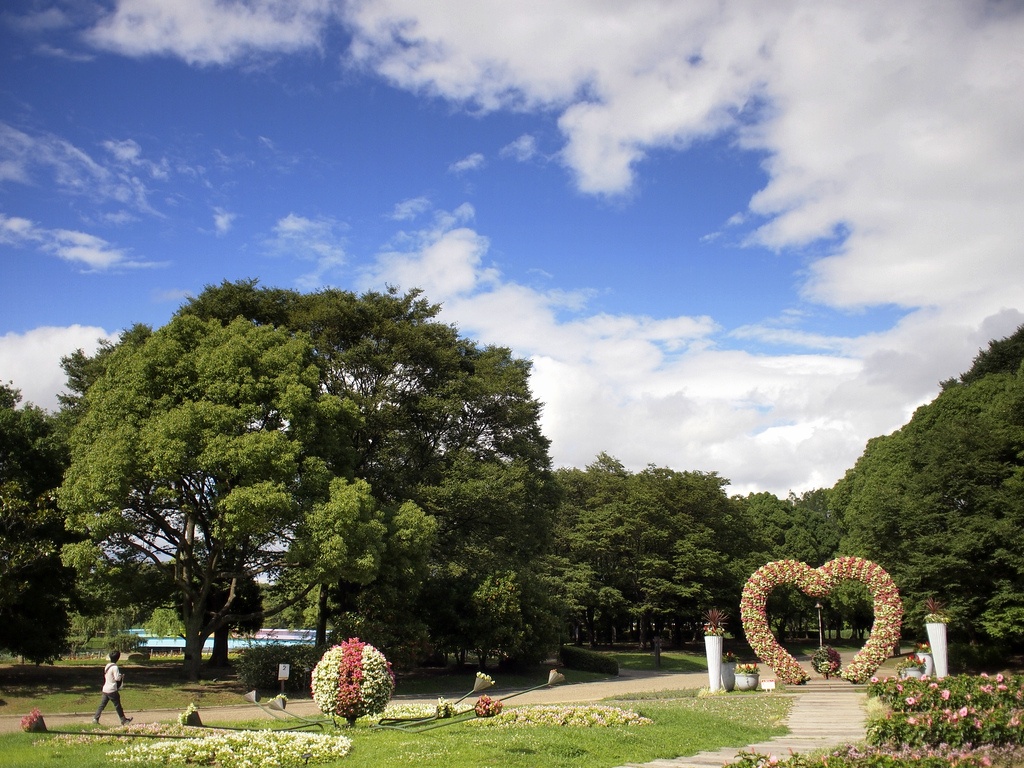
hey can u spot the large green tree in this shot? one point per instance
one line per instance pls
(36, 591)
(940, 502)
(445, 424)
(201, 450)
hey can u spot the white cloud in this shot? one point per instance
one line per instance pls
(471, 162)
(316, 240)
(31, 361)
(522, 149)
(210, 31)
(407, 210)
(24, 157)
(893, 154)
(668, 390)
(223, 221)
(82, 248)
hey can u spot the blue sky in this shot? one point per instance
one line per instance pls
(730, 237)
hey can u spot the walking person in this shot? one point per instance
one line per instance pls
(112, 682)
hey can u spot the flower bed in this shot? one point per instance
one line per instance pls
(956, 711)
(569, 715)
(853, 756)
(267, 749)
(590, 716)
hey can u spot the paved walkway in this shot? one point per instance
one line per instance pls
(825, 713)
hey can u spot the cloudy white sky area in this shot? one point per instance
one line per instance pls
(739, 237)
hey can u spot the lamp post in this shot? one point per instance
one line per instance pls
(821, 634)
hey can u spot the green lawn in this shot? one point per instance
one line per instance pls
(684, 725)
(74, 686)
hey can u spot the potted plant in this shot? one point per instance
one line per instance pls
(714, 632)
(826, 661)
(912, 666)
(729, 670)
(935, 621)
(747, 677)
(924, 652)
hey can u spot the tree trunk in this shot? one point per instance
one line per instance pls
(321, 616)
(219, 657)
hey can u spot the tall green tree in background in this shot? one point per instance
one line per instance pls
(800, 528)
(652, 547)
(200, 451)
(940, 502)
(36, 590)
(445, 424)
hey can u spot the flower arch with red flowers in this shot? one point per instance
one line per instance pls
(819, 582)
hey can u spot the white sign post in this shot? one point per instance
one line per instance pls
(284, 671)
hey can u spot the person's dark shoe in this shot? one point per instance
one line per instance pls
(125, 721)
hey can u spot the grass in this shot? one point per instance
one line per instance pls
(74, 686)
(671, 661)
(684, 725)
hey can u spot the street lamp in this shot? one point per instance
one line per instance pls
(821, 635)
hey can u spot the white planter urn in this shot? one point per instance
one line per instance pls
(937, 640)
(713, 648)
(728, 675)
(929, 664)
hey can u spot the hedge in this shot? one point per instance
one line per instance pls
(257, 666)
(583, 660)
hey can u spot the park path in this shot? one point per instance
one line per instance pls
(825, 713)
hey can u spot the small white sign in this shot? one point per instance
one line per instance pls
(767, 685)
(283, 671)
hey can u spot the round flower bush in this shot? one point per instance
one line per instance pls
(826, 661)
(353, 679)
(819, 582)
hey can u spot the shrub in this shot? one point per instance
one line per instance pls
(583, 660)
(257, 666)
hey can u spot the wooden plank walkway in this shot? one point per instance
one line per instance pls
(825, 713)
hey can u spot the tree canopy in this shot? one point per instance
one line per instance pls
(201, 451)
(940, 502)
(36, 591)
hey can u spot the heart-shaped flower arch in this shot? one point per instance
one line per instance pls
(819, 582)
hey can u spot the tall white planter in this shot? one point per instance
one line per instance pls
(713, 648)
(937, 640)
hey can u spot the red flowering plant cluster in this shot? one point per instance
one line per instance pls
(954, 711)
(33, 721)
(487, 707)
(819, 582)
(353, 679)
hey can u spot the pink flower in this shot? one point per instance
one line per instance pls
(963, 712)
(945, 694)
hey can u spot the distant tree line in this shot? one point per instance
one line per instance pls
(351, 463)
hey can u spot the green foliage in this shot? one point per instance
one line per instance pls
(651, 547)
(257, 666)
(586, 660)
(36, 590)
(943, 495)
(200, 450)
(164, 622)
(446, 426)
